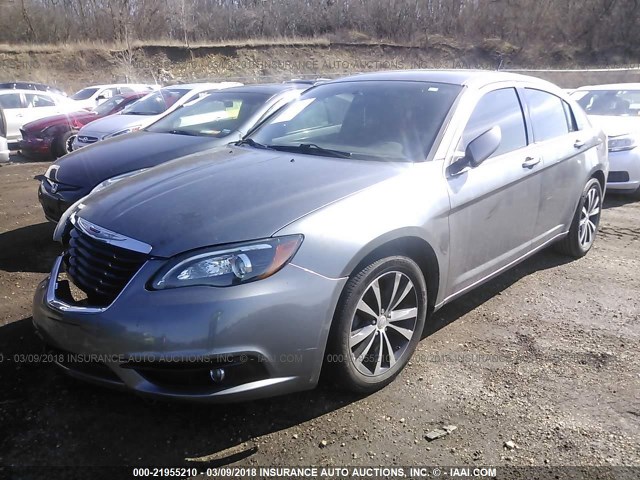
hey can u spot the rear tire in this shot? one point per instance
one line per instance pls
(377, 325)
(584, 225)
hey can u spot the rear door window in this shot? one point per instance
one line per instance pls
(37, 100)
(498, 108)
(548, 115)
(11, 100)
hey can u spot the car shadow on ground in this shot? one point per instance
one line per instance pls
(47, 416)
(19, 157)
(451, 312)
(613, 200)
(29, 249)
(91, 425)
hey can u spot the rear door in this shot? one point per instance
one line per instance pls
(561, 146)
(493, 206)
(14, 109)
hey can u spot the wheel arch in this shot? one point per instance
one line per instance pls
(599, 175)
(410, 245)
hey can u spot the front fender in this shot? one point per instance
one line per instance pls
(338, 237)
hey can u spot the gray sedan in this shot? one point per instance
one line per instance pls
(324, 239)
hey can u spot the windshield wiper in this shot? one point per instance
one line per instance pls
(313, 149)
(252, 143)
(183, 132)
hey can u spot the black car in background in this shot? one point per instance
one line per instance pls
(31, 86)
(217, 119)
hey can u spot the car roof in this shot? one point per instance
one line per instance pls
(21, 82)
(476, 78)
(266, 88)
(132, 94)
(27, 90)
(107, 85)
(198, 86)
(612, 86)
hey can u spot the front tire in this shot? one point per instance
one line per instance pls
(62, 145)
(377, 325)
(586, 220)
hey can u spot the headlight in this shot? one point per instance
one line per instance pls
(622, 143)
(117, 178)
(223, 267)
(122, 132)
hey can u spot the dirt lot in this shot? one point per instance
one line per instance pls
(547, 355)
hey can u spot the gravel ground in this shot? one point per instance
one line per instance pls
(540, 366)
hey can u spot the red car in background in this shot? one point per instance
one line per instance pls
(53, 136)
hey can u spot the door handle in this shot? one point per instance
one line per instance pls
(530, 162)
(578, 144)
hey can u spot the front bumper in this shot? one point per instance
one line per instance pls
(35, 146)
(55, 204)
(280, 323)
(4, 150)
(624, 167)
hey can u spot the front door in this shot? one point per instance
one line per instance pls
(495, 205)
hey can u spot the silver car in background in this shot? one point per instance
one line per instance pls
(324, 239)
(616, 108)
(145, 111)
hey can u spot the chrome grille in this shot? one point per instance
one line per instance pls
(86, 139)
(99, 269)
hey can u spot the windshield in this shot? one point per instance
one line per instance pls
(609, 102)
(376, 120)
(155, 103)
(217, 114)
(108, 106)
(84, 94)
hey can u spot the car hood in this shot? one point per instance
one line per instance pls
(230, 195)
(81, 117)
(614, 126)
(91, 165)
(114, 123)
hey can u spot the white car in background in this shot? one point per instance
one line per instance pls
(145, 111)
(4, 148)
(91, 97)
(616, 109)
(24, 106)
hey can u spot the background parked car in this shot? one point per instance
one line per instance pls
(53, 136)
(144, 112)
(326, 236)
(216, 119)
(4, 147)
(24, 106)
(90, 97)
(616, 108)
(31, 86)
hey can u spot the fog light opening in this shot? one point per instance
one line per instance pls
(216, 374)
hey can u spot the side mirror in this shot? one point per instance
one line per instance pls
(477, 151)
(483, 146)
(101, 97)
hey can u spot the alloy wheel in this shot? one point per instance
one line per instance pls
(68, 145)
(589, 218)
(383, 324)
